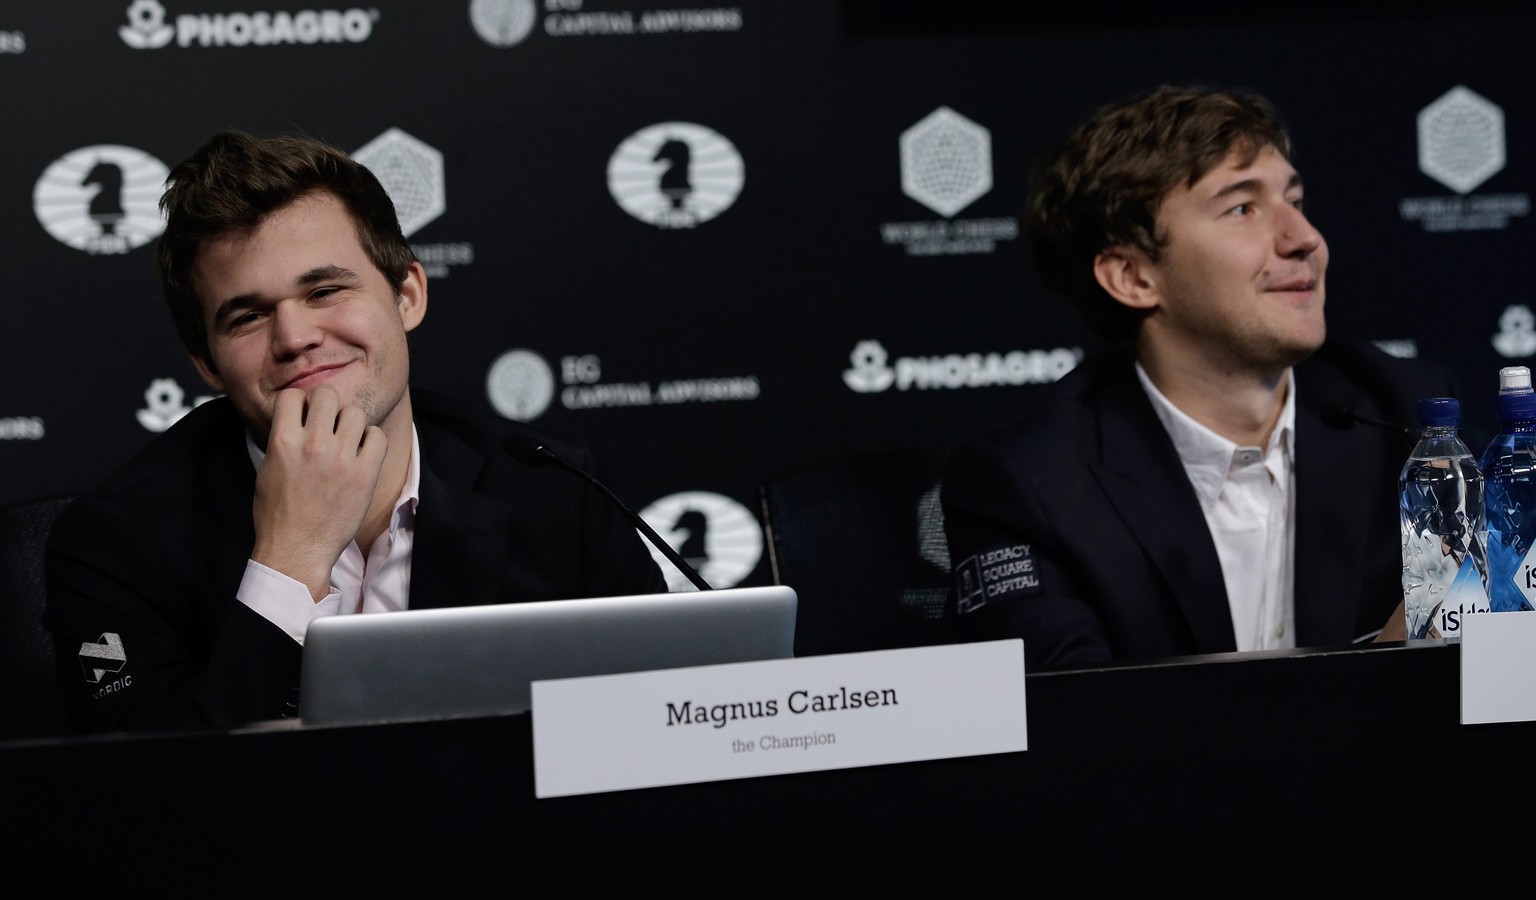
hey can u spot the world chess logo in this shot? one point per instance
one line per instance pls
(146, 28)
(675, 174)
(946, 161)
(520, 385)
(870, 372)
(102, 199)
(502, 23)
(411, 173)
(1461, 140)
(1517, 332)
(714, 534)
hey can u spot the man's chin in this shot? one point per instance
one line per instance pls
(1304, 349)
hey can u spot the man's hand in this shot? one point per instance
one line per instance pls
(315, 485)
(1396, 628)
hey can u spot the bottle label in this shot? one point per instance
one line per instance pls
(1444, 548)
(1466, 596)
(1524, 577)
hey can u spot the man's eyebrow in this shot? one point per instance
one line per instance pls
(325, 273)
(1250, 185)
(237, 302)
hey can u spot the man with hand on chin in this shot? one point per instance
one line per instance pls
(180, 591)
(1183, 492)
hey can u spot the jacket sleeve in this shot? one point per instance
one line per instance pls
(147, 637)
(1012, 575)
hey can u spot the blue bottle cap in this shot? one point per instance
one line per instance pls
(1438, 412)
(1516, 406)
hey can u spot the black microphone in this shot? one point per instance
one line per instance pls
(538, 455)
(1342, 417)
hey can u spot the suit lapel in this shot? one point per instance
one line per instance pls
(1144, 479)
(461, 537)
(227, 488)
(1333, 510)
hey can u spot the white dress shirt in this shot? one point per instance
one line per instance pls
(381, 583)
(1248, 497)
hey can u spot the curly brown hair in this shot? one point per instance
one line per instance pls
(234, 181)
(1103, 187)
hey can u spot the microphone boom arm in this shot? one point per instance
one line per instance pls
(645, 528)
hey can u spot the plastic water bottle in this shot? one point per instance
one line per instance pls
(1440, 493)
(1509, 464)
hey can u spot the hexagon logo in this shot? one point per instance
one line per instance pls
(412, 174)
(1461, 140)
(946, 161)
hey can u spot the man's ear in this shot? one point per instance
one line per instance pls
(1129, 276)
(210, 374)
(412, 298)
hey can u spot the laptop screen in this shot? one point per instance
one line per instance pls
(480, 660)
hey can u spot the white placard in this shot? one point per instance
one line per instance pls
(742, 720)
(1498, 667)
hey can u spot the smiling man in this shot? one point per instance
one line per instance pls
(320, 483)
(1192, 489)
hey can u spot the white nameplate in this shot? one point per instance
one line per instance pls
(1498, 667)
(742, 720)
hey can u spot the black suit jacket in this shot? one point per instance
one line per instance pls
(1087, 496)
(147, 567)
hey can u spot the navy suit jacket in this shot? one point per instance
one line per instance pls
(1081, 521)
(147, 567)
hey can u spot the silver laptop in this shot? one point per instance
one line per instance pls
(480, 660)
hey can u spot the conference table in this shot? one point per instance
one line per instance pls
(1350, 758)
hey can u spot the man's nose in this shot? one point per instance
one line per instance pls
(1297, 237)
(295, 329)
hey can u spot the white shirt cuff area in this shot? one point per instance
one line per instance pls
(283, 601)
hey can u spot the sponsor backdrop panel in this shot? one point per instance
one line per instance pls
(717, 243)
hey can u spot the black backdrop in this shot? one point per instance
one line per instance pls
(841, 269)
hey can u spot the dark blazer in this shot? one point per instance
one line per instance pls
(1087, 496)
(154, 558)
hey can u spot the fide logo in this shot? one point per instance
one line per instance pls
(714, 534)
(675, 174)
(102, 199)
(502, 23)
(411, 173)
(520, 385)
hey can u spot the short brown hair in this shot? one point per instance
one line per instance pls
(1104, 186)
(234, 181)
